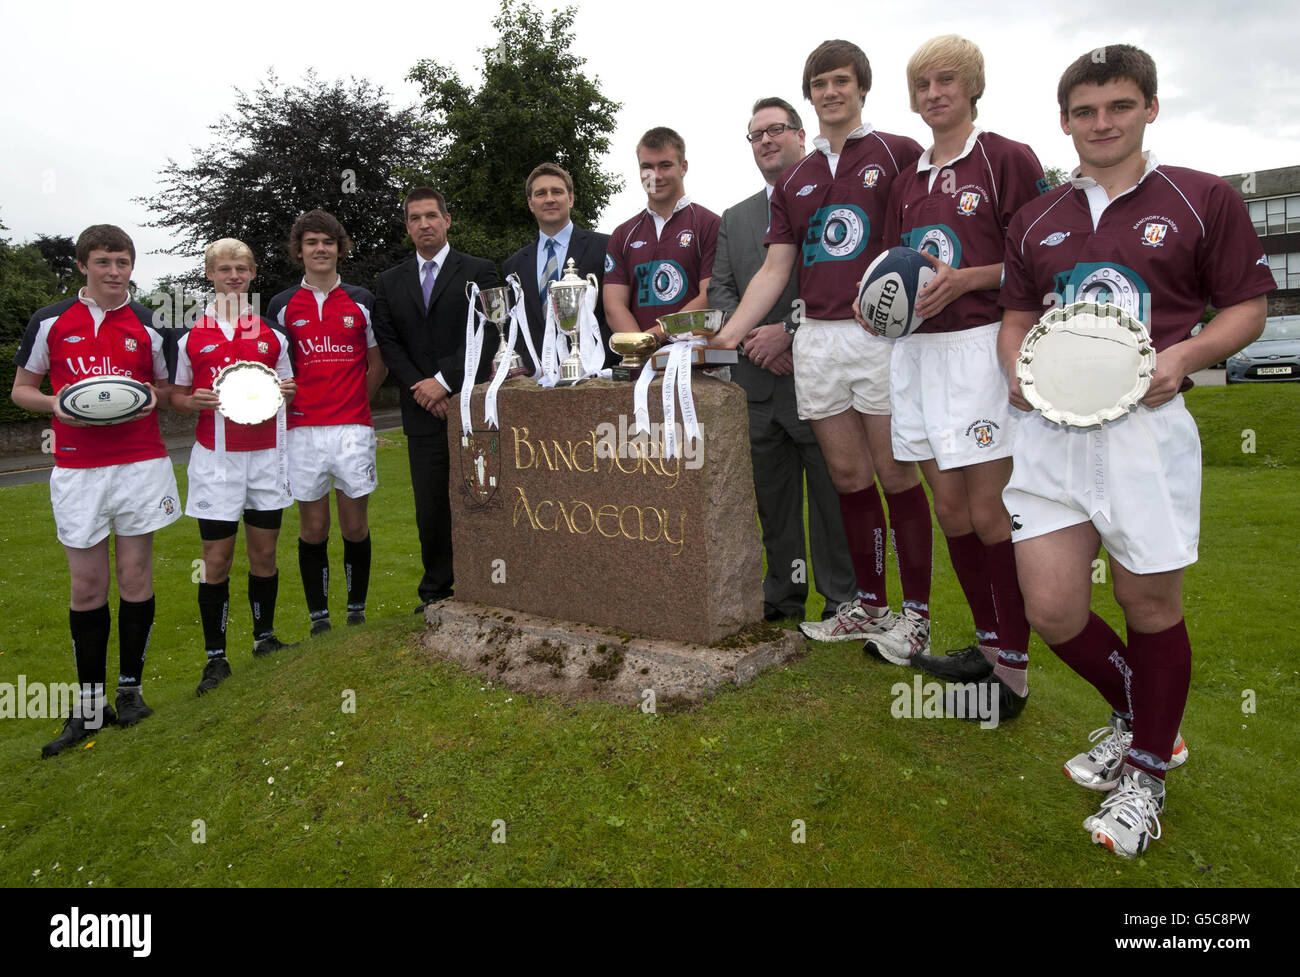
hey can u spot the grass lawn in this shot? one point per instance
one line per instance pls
(410, 788)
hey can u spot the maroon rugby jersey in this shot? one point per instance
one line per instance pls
(1181, 239)
(663, 274)
(62, 340)
(205, 351)
(838, 222)
(962, 218)
(328, 344)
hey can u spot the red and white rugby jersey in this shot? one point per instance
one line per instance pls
(959, 213)
(1162, 251)
(66, 341)
(663, 273)
(329, 334)
(838, 221)
(209, 347)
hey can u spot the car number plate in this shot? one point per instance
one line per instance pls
(1273, 371)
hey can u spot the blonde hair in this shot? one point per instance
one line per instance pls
(949, 51)
(227, 247)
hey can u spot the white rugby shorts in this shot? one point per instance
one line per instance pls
(128, 500)
(253, 480)
(949, 398)
(838, 365)
(343, 454)
(1137, 480)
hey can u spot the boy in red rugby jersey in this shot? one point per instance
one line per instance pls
(107, 480)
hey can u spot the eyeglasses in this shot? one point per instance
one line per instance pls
(773, 130)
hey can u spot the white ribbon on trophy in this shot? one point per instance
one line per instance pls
(503, 364)
(555, 348)
(474, 330)
(677, 381)
(591, 349)
(519, 317)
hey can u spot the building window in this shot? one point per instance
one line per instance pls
(1285, 269)
(1275, 215)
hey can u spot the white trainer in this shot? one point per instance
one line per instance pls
(852, 622)
(1129, 819)
(909, 636)
(1100, 767)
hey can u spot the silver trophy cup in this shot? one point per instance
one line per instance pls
(566, 298)
(495, 305)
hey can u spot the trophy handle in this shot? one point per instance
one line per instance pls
(591, 280)
(469, 287)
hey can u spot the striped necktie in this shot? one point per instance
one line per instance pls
(551, 273)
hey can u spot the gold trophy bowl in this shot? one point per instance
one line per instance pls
(679, 326)
(635, 349)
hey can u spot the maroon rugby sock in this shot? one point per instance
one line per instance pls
(1099, 656)
(864, 528)
(912, 533)
(1013, 629)
(1162, 675)
(968, 562)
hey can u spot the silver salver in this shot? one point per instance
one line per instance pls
(248, 392)
(1086, 364)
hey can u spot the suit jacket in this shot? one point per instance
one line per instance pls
(417, 344)
(740, 254)
(587, 249)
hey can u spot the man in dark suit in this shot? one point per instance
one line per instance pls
(419, 321)
(549, 193)
(783, 447)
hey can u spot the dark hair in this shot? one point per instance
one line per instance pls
(661, 137)
(104, 237)
(547, 169)
(423, 193)
(318, 222)
(829, 55)
(1104, 64)
(777, 103)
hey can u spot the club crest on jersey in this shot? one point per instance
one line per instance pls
(349, 321)
(983, 431)
(480, 470)
(609, 263)
(806, 189)
(1053, 239)
(130, 344)
(871, 176)
(685, 238)
(1153, 235)
(263, 346)
(967, 204)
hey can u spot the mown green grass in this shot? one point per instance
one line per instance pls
(601, 795)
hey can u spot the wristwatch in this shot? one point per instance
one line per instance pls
(790, 327)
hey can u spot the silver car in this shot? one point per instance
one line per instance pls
(1275, 355)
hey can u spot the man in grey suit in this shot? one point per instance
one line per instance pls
(549, 193)
(783, 447)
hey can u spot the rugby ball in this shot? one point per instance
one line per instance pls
(887, 295)
(104, 400)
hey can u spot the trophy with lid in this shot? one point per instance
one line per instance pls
(567, 297)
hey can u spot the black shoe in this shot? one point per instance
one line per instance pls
(75, 730)
(436, 598)
(216, 671)
(357, 617)
(985, 690)
(320, 626)
(960, 665)
(265, 646)
(131, 707)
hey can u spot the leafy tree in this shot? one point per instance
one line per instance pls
(534, 105)
(26, 284)
(334, 145)
(1055, 176)
(60, 253)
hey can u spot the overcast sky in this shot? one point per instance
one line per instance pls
(93, 107)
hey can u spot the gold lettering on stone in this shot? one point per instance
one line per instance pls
(601, 513)
(522, 439)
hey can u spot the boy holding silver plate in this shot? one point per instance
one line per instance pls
(233, 367)
(1159, 242)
